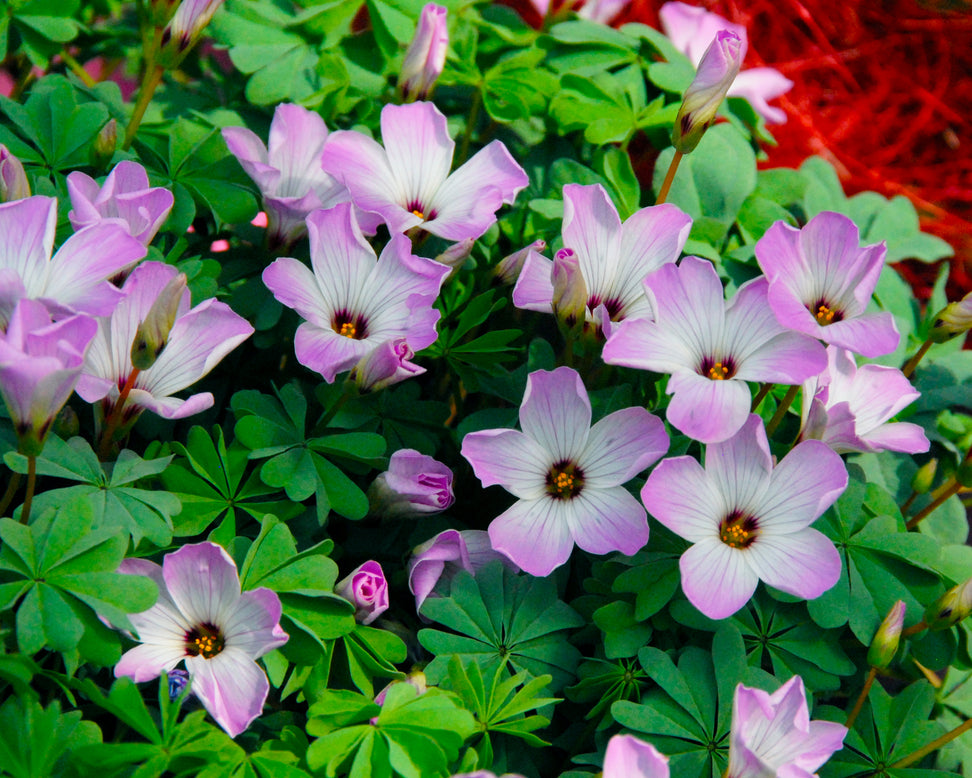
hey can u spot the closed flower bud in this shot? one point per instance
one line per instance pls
(925, 477)
(103, 147)
(456, 255)
(951, 608)
(508, 269)
(952, 320)
(426, 54)
(153, 333)
(187, 25)
(13, 179)
(385, 365)
(367, 590)
(884, 645)
(569, 289)
(717, 70)
(413, 485)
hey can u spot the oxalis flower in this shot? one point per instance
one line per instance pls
(629, 757)
(352, 304)
(614, 258)
(772, 734)
(408, 181)
(821, 280)
(567, 474)
(749, 521)
(711, 349)
(202, 618)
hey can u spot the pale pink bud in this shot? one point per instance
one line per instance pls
(456, 255)
(884, 645)
(569, 289)
(13, 179)
(426, 54)
(508, 269)
(385, 365)
(153, 332)
(367, 590)
(413, 485)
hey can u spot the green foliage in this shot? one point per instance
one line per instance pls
(37, 742)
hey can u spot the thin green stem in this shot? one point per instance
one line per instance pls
(76, 68)
(906, 506)
(945, 491)
(470, 127)
(9, 494)
(349, 391)
(669, 177)
(764, 390)
(868, 682)
(31, 483)
(785, 404)
(914, 629)
(937, 743)
(912, 363)
(114, 418)
(153, 77)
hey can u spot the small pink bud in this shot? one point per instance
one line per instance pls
(13, 179)
(367, 590)
(884, 645)
(508, 269)
(426, 54)
(569, 289)
(153, 333)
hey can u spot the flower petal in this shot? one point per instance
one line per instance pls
(680, 495)
(803, 563)
(803, 485)
(534, 534)
(606, 520)
(254, 625)
(706, 410)
(534, 287)
(716, 578)
(231, 687)
(621, 445)
(147, 661)
(557, 413)
(509, 458)
(203, 583)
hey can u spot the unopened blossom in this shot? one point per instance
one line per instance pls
(691, 28)
(185, 29)
(13, 179)
(630, 757)
(124, 195)
(202, 618)
(849, 407)
(748, 520)
(613, 257)
(884, 644)
(408, 181)
(367, 590)
(351, 303)
(198, 340)
(388, 363)
(104, 145)
(569, 301)
(717, 70)
(288, 171)
(710, 348)
(508, 269)
(40, 363)
(416, 680)
(821, 281)
(951, 608)
(414, 484)
(954, 319)
(434, 563)
(426, 54)
(566, 474)
(772, 734)
(455, 256)
(73, 280)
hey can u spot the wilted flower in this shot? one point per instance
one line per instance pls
(408, 181)
(630, 757)
(197, 342)
(884, 644)
(426, 54)
(746, 520)
(40, 363)
(772, 734)
(821, 280)
(567, 474)
(13, 179)
(711, 348)
(367, 590)
(413, 485)
(691, 28)
(352, 304)
(125, 195)
(202, 617)
(848, 407)
(716, 71)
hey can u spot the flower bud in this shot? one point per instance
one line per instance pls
(508, 269)
(426, 54)
(367, 590)
(884, 645)
(13, 179)
(178, 680)
(953, 319)
(951, 608)
(413, 485)
(182, 33)
(153, 333)
(925, 477)
(569, 290)
(385, 365)
(456, 255)
(104, 145)
(416, 680)
(717, 70)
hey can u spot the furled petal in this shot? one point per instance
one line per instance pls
(606, 520)
(556, 412)
(900, 436)
(706, 410)
(202, 580)
(680, 495)
(621, 445)
(28, 228)
(716, 578)
(629, 757)
(231, 687)
(534, 286)
(534, 534)
(509, 458)
(803, 563)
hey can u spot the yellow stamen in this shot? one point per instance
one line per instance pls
(418, 213)
(825, 315)
(348, 329)
(718, 372)
(737, 531)
(565, 481)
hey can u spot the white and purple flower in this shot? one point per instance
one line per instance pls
(631, 757)
(567, 474)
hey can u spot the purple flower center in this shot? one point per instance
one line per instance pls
(206, 641)
(565, 480)
(718, 369)
(418, 209)
(612, 304)
(825, 313)
(350, 325)
(738, 529)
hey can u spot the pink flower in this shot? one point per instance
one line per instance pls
(408, 181)
(13, 179)
(426, 54)
(772, 734)
(691, 29)
(125, 195)
(389, 363)
(821, 280)
(567, 474)
(601, 11)
(366, 589)
(185, 29)
(413, 485)
(849, 407)
(749, 521)
(629, 757)
(202, 617)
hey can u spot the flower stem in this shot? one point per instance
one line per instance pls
(868, 682)
(31, 483)
(115, 415)
(939, 496)
(669, 177)
(330, 413)
(153, 77)
(11, 491)
(914, 629)
(76, 68)
(785, 404)
(912, 363)
(470, 127)
(906, 506)
(945, 739)
(764, 390)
